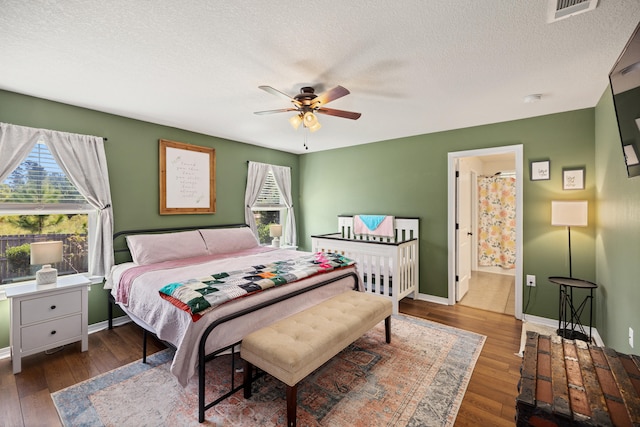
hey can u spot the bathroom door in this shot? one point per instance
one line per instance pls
(463, 232)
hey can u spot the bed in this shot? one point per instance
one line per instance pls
(154, 259)
(387, 266)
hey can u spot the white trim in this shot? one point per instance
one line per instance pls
(432, 298)
(453, 157)
(552, 323)
(100, 326)
(119, 321)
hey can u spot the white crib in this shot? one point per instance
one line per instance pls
(388, 267)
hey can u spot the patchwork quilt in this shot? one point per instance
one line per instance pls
(198, 296)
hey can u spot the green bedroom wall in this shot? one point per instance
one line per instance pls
(618, 235)
(132, 157)
(408, 177)
(403, 177)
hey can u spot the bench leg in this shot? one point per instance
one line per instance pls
(248, 370)
(292, 404)
(387, 329)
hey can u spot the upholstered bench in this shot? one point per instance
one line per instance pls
(292, 348)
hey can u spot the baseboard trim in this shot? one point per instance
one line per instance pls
(432, 298)
(553, 323)
(95, 327)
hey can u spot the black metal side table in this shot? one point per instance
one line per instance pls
(569, 312)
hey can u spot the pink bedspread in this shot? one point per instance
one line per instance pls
(175, 326)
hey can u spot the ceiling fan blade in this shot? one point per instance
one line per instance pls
(282, 110)
(275, 92)
(339, 113)
(331, 95)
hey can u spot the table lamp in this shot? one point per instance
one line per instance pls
(45, 254)
(569, 214)
(275, 231)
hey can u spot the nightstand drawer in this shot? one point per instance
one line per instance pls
(45, 334)
(49, 307)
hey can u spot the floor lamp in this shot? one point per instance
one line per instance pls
(569, 214)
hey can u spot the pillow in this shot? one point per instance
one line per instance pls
(152, 248)
(227, 240)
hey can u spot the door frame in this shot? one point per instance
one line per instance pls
(518, 151)
(460, 235)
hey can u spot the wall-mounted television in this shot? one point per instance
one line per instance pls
(625, 86)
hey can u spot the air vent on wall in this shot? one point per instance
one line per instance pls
(561, 9)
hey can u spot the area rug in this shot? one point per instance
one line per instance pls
(417, 380)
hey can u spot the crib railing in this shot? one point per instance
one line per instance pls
(405, 229)
(388, 268)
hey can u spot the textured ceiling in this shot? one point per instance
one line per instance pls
(412, 66)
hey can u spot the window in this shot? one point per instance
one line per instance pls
(39, 203)
(269, 208)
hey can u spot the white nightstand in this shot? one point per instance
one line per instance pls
(48, 316)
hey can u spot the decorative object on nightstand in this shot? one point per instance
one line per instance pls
(570, 214)
(275, 231)
(45, 254)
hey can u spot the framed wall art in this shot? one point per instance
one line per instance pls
(573, 179)
(187, 178)
(540, 170)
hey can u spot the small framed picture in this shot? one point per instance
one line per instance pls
(540, 170)
(573, 179)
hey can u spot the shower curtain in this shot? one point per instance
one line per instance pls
(497, 221)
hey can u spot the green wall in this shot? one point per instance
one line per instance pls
(403, 177)
(618, 235)
(132, 157)
(408, 177)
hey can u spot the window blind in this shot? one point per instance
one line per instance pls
(269, 194)
(39, 181)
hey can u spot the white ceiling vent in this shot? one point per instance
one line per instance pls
(560, 9)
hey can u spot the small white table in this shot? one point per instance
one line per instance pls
(48, 316)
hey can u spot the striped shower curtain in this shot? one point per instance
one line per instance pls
(497, 221)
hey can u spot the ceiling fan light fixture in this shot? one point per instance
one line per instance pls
(315, 127)
(310, 119)
(295, 121)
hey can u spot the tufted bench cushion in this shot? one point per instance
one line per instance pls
(292, 348)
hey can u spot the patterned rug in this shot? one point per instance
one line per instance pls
(417, 380)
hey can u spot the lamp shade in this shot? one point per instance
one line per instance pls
(310, 119)
(295, 121)
(46, 252)
(275, 230)
(569, 213)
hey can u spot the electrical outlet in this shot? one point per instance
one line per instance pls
(631, 337)
(531, 280)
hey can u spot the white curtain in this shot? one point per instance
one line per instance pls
(256, 177)
(83, 160)
(16, 142)
(282, 174)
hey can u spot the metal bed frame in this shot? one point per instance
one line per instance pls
(203, 357)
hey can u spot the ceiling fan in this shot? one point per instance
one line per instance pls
(307, 103)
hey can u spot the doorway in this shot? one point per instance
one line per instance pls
(465, 167)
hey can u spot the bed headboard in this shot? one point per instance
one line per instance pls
(121, 250)
(406, 228)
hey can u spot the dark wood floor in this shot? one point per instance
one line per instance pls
(489, 401)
